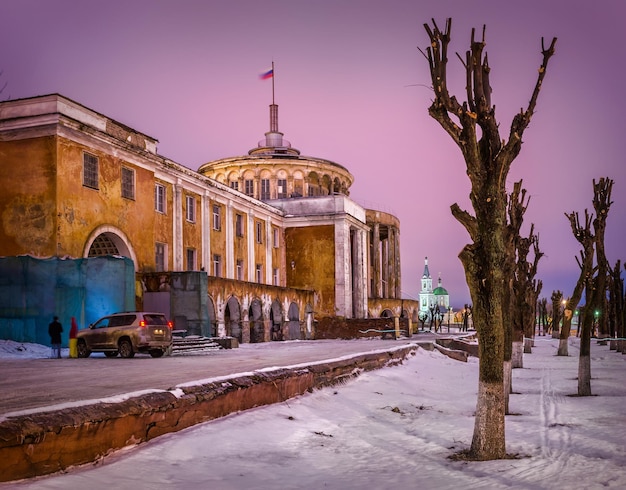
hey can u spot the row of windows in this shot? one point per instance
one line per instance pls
(281, 188)
(91, 176)
(191, 265)
(90, 179)
(265, 188)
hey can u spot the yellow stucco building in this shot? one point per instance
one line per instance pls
(272, 236)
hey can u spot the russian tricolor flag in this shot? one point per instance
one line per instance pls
(267, 74)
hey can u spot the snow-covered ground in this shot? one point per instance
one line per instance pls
(394, 428)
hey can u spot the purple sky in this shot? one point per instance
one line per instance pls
(352, 87)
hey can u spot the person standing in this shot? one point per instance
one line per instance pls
(54, 330)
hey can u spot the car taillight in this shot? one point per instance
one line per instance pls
(171, 325)
(142, 323)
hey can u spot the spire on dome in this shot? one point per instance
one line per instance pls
(426, 271)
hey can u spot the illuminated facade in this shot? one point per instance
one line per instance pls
(274, 233)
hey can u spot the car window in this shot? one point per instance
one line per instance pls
(122, 320)
(155, 319)
(102, 323)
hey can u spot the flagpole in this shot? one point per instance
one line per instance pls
(273, 76)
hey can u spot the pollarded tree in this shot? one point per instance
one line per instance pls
(472, 125)
(596, 288)
(585, 237)
(557, 299)
(527, 290)
(542, 316)
(616, 303)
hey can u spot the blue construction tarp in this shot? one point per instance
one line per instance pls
(34, 290)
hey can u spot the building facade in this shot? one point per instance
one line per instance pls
(273, 234)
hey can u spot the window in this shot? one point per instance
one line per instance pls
(297, 188)
(259, 273)
(276, 241)
(234, 185)
(159, 257)
(265, 189)
(249, 187)
(159, 198)
(217, 265)
(239, 270)
(191, 209)
(191, 259)
(128, 183)
(275, 277)
(90, 170)
(259, 232)
(238, 225)
(282, 188)
(217, 217)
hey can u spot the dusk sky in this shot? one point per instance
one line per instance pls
(352, 87)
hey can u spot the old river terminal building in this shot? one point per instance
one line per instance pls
(263, 246)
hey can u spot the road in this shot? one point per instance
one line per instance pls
(28, 384)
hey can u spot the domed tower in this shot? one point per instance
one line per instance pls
(442, 298)
(276, 170)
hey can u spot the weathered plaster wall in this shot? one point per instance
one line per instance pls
(82, 210)
(27, 198)
(312, 251)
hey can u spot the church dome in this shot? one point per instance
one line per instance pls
(440, 291)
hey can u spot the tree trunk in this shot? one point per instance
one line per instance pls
(584, 357)
(508, 385)
(517, 357)
(486, 285)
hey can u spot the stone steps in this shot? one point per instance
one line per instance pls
(193, 344)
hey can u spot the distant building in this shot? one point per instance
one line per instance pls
(430, 297)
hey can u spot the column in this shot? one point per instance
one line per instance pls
(230, 242)
(398, 268)
(376, 292)
(251, 258)
(177, 222)
(268, 251)
(206, 232)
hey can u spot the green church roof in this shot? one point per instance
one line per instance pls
(440, 291)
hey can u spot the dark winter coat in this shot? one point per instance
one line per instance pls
(54, 330)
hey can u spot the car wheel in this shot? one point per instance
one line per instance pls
(111, 354)
(81, 349)
(156, 353)
(125, 349)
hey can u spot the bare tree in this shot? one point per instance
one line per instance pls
(596, 288)
(585, 237)
(542, 313)
(527, 290)
(616, 303)
(557, 299)
(472, 125)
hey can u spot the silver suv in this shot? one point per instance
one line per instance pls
(125, 334)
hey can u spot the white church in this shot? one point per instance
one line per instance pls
(430, 297)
